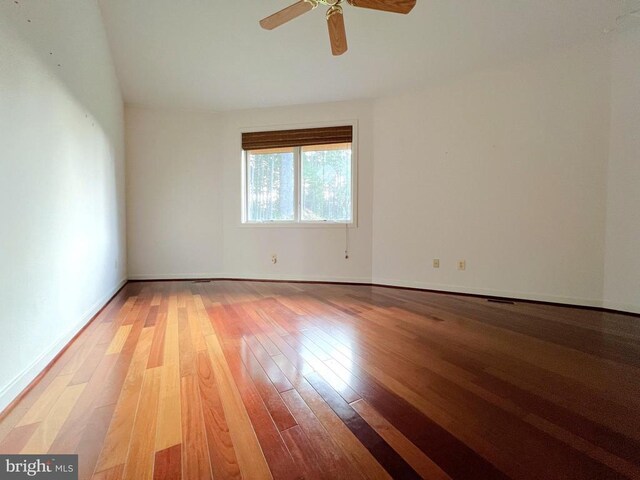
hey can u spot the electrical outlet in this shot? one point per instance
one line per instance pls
(436, 263)
(274, 258)
(462, 264)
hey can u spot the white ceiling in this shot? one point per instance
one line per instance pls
(213, 54)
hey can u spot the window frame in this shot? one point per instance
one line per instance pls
(298, 222)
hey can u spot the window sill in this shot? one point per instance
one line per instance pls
(298, 225)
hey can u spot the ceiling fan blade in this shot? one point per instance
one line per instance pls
(287, 14)
(395, 6)
(337, 32)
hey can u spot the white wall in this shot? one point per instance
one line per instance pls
(503, 168)
(622, 260)
(304, 253)
(174, 194)
(62, 237)
(184, 199)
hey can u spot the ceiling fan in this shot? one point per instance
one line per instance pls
(335, 20)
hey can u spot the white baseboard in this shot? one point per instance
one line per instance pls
(24, 378)
(391, 282)
(255, 276)
(300, 278)
(540, 297)
(173, 276)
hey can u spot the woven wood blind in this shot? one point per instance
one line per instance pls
(297, 138)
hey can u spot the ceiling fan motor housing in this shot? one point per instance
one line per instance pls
(328, 3)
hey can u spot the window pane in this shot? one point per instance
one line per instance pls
(270, 185)
(326, 183)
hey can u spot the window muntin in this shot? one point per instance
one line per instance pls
(311, 184)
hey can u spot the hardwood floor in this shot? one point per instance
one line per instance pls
(258, 380)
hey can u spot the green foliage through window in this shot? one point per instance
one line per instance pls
(299, 184)
(326, 185)
(270, 187)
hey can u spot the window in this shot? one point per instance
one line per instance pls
(310, 183)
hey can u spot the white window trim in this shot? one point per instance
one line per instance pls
(299, 223)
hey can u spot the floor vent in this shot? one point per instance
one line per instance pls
(201, 281)
(497, 300)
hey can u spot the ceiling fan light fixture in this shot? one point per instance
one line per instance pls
(335, 17)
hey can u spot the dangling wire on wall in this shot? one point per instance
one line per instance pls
(346, 241)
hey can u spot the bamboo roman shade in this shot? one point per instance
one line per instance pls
(297, 138)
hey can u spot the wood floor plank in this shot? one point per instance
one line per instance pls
(364, 461)
(113, 473)
(40, 409)
(422, 464)
(172, 342)
(17, 438)
(357, 453)
(205, 324)
(299, 361)
(195, 327)
(169, 429)
(248, 451)
(195, 455)
(168, 464)
(84, 373)
(90, 444)
(303, 453)
(94, 396)
(116, 446)
(321, 368)
(141, 454)
(331, 460)
(273, 446)
(270, 396)
(279, 380)
(486, 416)
(261, 352)
(379, 448)
(618, 464)
(186, 352)
(224, 462)
(78, 353)
(134, 312)
(47, 430)
(431, 436)
(152, 316)
(156, 355)
(246, 379)
(124, 311)
(118, 341)
(414, 416)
